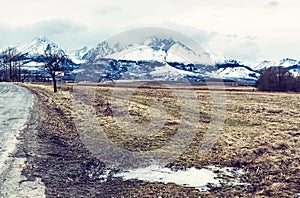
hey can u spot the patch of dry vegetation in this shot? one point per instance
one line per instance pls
(261, 134)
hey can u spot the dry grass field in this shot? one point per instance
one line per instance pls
(261, 134)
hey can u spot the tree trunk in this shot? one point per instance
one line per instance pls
(54, 84)
(10, 72)
(19, 72)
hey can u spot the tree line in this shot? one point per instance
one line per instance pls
(278, 79)
(11, 63)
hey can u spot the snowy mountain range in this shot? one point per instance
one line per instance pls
(286, 63)
(152, 59)
(152, 49)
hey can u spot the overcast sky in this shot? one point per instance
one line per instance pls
(249, 30)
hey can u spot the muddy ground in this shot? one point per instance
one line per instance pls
(256, 143)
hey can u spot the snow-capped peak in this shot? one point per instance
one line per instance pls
(159, 44)
(38, 46)
(263, 65)
(181, 53)
(286, 62)
(77, 55)
(137, 52)
(151, 49)
(101, 50)
(233, 62)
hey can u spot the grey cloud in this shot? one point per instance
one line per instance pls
(272, 4)
(70, 35)
(53, 29)
(199, 35)
(252, 38)
(108, 10)
(229, 45)
(244, 50)
(9, 35)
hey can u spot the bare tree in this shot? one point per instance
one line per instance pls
(24, 74)
(276, 79)
(11, 62)
(296, 84)
(54, 62)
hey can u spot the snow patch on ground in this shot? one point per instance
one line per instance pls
(191, 177)
(17, 185)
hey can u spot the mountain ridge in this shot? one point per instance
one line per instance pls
(165, 52)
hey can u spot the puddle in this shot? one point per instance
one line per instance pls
(192, 177)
